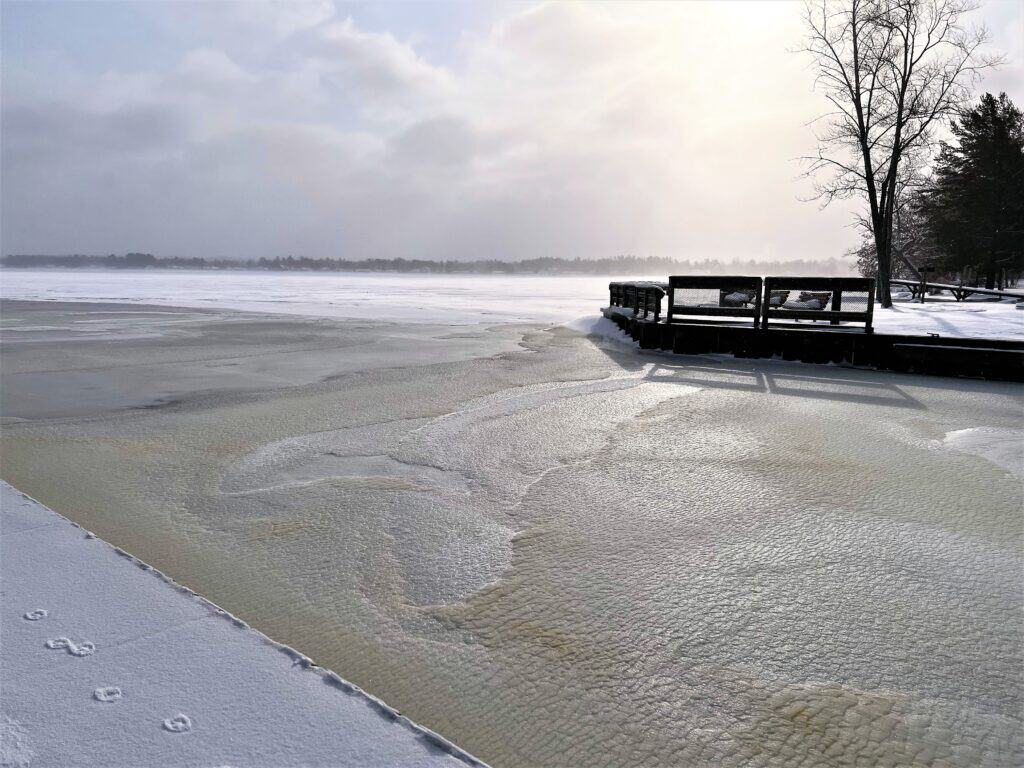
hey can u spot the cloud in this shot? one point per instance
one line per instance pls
(61, 132)
(255, 23)
(439, 141)
(375, 63)
(557, 130)
(208, 66)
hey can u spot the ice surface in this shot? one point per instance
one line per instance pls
(168, 356)
(1004, 447)
(165, 678)
(456, 299)
(588, 555)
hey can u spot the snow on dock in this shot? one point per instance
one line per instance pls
(105, 661)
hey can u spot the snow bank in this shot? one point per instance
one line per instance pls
(601, 328)
(107, 662)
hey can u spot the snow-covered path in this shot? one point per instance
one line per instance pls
(945, 317)
(105, 662)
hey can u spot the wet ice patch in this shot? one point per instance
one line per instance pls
(431, 500)
(379, 472)
(1002, 446)
(509, 440)
(832, 724)
(334, 455)
(421, 514)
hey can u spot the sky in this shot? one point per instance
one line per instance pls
(420, 130)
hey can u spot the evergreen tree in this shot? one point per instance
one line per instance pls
(974, 210)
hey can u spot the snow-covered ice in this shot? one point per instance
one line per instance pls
(407, 298)
(422, 298)
(125, 667)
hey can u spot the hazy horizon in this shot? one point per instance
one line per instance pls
(419, 130)
(355, 258)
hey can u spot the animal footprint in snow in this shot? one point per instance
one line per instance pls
(36, 615)
(75, 649)
(111, 693)
(178, 724)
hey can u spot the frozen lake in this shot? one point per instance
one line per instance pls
(550, 550)
(413, 298)
(458, 299)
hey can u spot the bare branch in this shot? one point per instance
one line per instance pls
(891, 70)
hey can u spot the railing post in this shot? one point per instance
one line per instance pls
(871, 308)
(837, 304)
(759, 300)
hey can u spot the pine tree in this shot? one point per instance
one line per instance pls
(974, 210)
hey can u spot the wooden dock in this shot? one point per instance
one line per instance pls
(995, 359)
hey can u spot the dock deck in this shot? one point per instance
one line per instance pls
(995, 359)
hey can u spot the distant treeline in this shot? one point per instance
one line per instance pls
(618, 265)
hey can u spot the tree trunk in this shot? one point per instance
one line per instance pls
(884, 286)
(883, 249)
(990, 270)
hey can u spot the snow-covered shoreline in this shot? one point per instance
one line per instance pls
(106, 661)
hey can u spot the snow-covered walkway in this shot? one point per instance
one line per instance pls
(106, 662)
(945, 317)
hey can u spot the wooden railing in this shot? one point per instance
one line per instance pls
(919, 288)
(743, 296)
(638, 295)
(737, 296)
(824, 291)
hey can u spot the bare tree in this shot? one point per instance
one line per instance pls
(892, 70)
(911, 247)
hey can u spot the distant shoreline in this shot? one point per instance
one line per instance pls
(620, 265)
